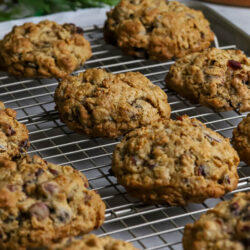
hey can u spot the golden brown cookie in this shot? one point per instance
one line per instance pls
(226, 227)
(157, 29)
(241, 139)
(175, 162)
(46, 49)
(14, 137)
(90, 242)
(98, 103)
(219, 79)
(41, 202)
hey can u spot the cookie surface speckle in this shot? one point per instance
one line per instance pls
(46, 49)
(219, 79)
(227, 226)
(157, 29)
(41, 202)
(98, 103)
(175, 162)
(14, 138)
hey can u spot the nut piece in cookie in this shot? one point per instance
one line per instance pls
(98, 103)
(46, 49)
(218, 79)
(157, 29)
(227, 226)
(241, 139)
(175, 162)
(90, 242)
(41, 202)
(14, 137)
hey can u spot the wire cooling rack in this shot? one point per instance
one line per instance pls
(146, 226)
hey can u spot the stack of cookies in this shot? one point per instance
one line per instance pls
(159, 160)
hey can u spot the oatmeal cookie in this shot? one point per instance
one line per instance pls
(41, 202)
(90, 242)
(175, 162)
(241, 139)
(46, 49)
(227, 226)
(219, 79)
(14, 137)
(98, 103)
(157, 29)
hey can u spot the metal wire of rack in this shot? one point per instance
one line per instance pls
(146, 226)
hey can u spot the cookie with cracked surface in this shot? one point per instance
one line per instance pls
(46, 49)
(175, 162)
(218, 79)
(90, 242)
(41, 202)
(157, 29)
(98, 103)
(14, 137)
(227, 226)
(241, 139)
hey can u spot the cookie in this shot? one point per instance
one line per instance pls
(41, 202)
(241, 139)
(175, 162)
(157, 29)
(46, 49)
(218, 79)
(227, 226)
(14, 137)
(98, 103)
(90, 242)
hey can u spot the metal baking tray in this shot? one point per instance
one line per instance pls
(146, 226)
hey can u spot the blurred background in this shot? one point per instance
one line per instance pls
(14, 9)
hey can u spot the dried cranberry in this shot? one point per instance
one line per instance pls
(39, 172)
(12, 187)
(53, 171)
(133, 159)
(87, 198)
(234, 64)
(246, 228)
(202, 171)
(234, 207)
(179, 118)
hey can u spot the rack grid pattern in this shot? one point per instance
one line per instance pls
(146, 226)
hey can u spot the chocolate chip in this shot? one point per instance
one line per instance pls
(234, 64)
(9, 131)
(39, 210)
(64, 216)
(220, 181)
(111, 172)
(39, 172)
(23, 145)
(202, 35)
(50, 187)
(53, 171)
(201, 171)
